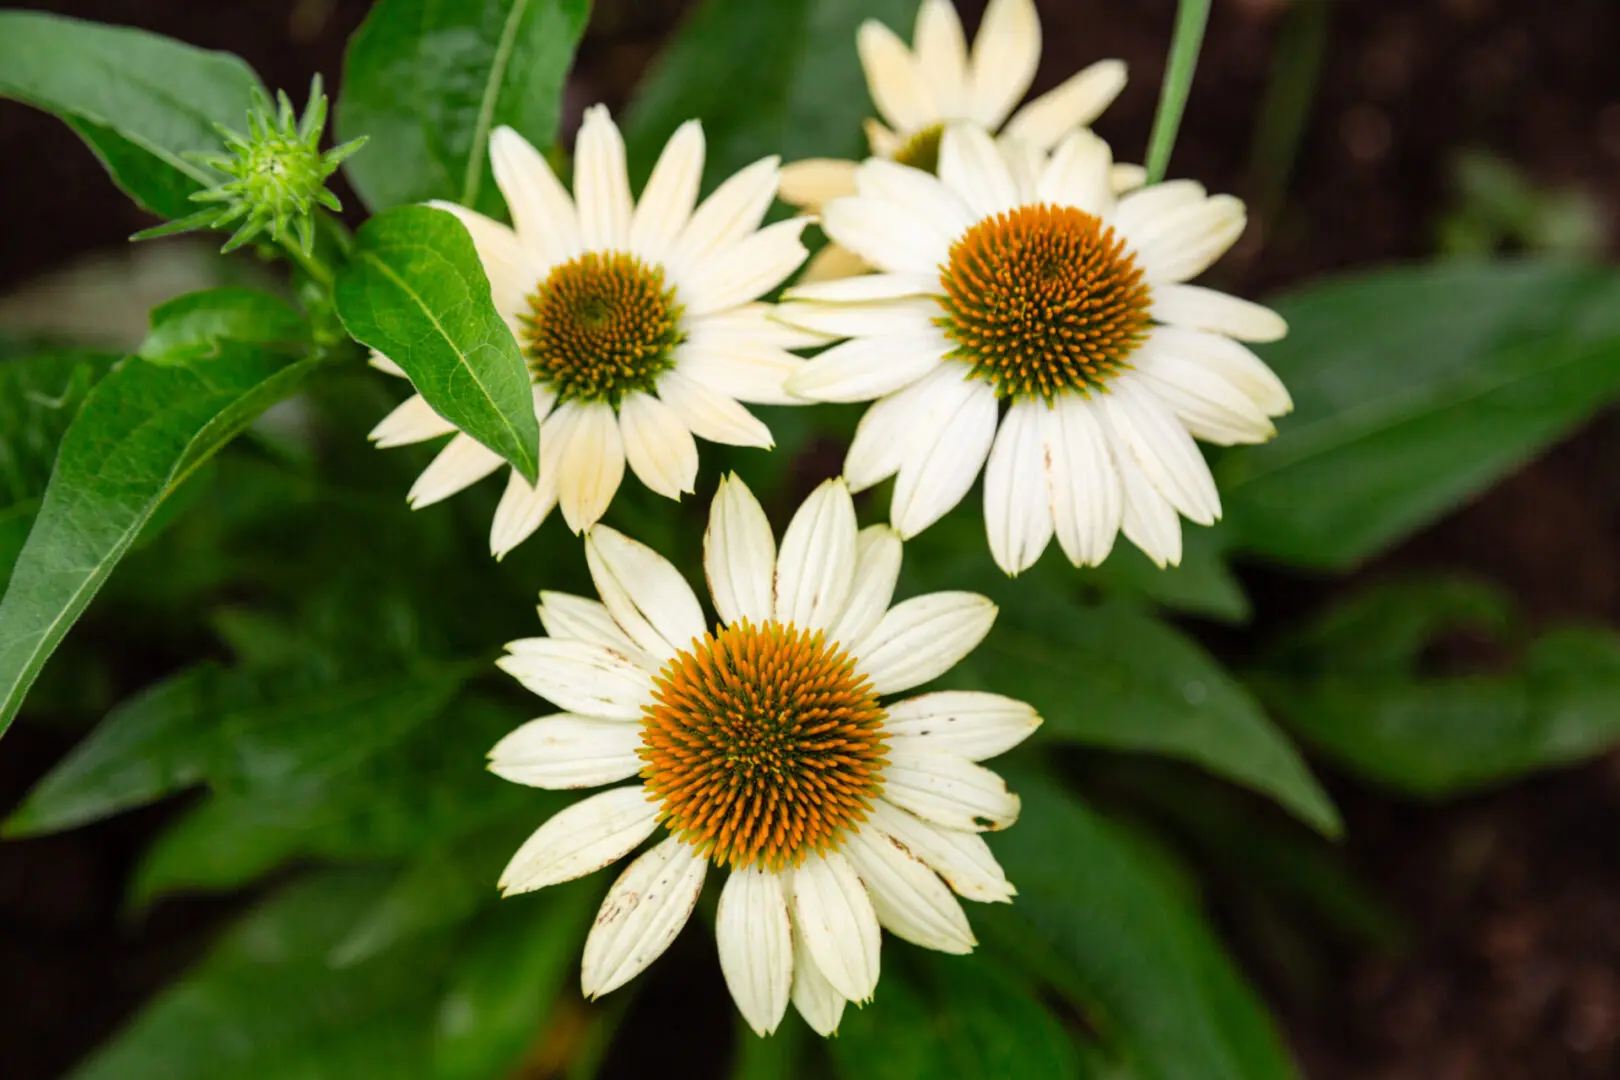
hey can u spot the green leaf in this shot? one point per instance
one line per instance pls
(195, 326)
(767, 78)
(1414, 389)
(429, 81)
(141, 432)
(1111, 676)
(416, 292)
(1098, 921)
(141, 101)
(957, 1016)
(264, 1005)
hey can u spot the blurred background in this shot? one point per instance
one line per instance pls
(1360, 131)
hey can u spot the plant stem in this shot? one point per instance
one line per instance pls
(1191, 17)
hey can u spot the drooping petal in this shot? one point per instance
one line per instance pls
(643, 913)
(962, 858)
(945, 456)
(971, 166)
(567, 751)
(910, 900)
(739, 555)
(968, 723)
(1148, 521)
(887, 432)
(671, 192)
(1162, 447)
(922, 638)
(754, 938)
(590, 464)
(1232, 361)
(1006, 53)
(657, 446)
(1073, 103)
(462, 463)
(580, 839)
(601, 183)
(579, 676)
(1211, 408)
(901, 95)
(712, 415)
(841, 933)
(542, 212)
(1083, 482)
(877, 569)
(948, 790)
(646, 594)
(413, 421)
(1017, 511)
(820, 1005)
(522, 509)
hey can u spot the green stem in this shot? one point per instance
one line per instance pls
(1191, 17)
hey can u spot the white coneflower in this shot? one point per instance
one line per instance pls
(1018, 279)
(637, 322)
(920, 90)
(764, 745)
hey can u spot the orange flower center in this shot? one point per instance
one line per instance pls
(763, 743)
(1044, 299)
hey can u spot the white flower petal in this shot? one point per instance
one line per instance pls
(1198, 308)
(898, 89)
(568, 751)
(1017, 510)
(922, 638)
(841, 932)
(968, 723)
(739, 555)
(590, 464)
(831, 263)
(1182, 244)
(580, 839)
(886, 235)
(867, 368)
(512, 271)
(542, 212)
(882, 142)
(1162, 447)
(921, 193)
(671, 192)
(1083, 485)
(601, 183)
(946, 453)
(816, 566)
(963, 859)
(813, 181)
(1148, 521)
(971, 166)
(738, 368)
(878, 553)
(887, 432)
(1126, 177)
(1232, 361)
(745, 270)
(522, 510)
(910, 900)
(1211, 408)
(658, 447)
(820, 1005)
(643, 913)
(385, 365)
(462, 463)
(754, 938)
(1080, 174)
(912, 316)
(569, 617)
(1073, 103)
(941, 53)
(1140, 209)
(867, 287)
(579, 677)
(750, 325)
(647, 596)
(1006, 53)
(413, 421)
(948, 790)
(1025, 164)
(711, 415)
(734, 210)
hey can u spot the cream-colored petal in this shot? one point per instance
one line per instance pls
(1232, 361)
(841, 933)
(878, 553)
(1017, 511)
(712, 415)
(522, 510)
(385, 365)
(739, 368)
(581, 839)
(898, 89)
(882, 142)
(751, 325)
(413, 421)
(743, 271)
(566, 616)
(944, 459)
(912, 316)
(968, 723)
(1025, 164)
(889, 430)
(813, 181)
(671, 193)
(542, 212)
(1182, 244)
(601, 183)
(867, 287)
(590, 465)
(511, 269)
(1162, 447)
(1197, 308)
(941, 55)
(739, 555)
(734, 210)
(887, 236)
(1083, 483)
(910, 900)
(567, 751)
(647, 596)
(1148, 520)
(962, 858)
(1211, 408)
(971, 166)
(579, 677)
(1126, 177)
(948, 790)
(1080, 174)
(462, 463)
(816, 566)
(917, 192)
(922, 638)
(1140, 209)
(867, 368)
(643, 913)
(820, 1005)
(1006, 52)
(1073, 103)
(657, 446)
(754, 938)
(830, 263)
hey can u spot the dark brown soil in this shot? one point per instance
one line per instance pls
(1514, 897)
